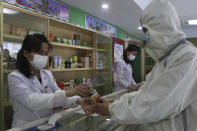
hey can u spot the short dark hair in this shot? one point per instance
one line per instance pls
(131, 47)
(31, 43)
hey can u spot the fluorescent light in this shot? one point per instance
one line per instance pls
(105, 6)
(108, 119)
(192, 22)
(9, 11)
(139, 28)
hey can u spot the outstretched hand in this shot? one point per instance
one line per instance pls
(89, 107)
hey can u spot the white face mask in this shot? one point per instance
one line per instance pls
(39, 61)
(147, 37)
(131, 57)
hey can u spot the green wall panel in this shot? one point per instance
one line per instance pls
(193, 40)
(137, 72)
(121, 34)
(76, 16)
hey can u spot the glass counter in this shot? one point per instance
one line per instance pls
(75, 120)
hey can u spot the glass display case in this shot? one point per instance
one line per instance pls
(75, 120)
(102, 72)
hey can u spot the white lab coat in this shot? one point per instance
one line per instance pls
(124, 75)
(32, 100)
(167, 101)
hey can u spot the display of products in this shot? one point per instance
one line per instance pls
(62, 63)
(65, 41)
(87, 81)
(75, 42)
(56, 61)
(15, 30)
(51, 37)
(18, 30)
(76, 37)
(75, 61)
(71, 62)
(7, 29)
(87, 62)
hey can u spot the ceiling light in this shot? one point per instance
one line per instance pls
(139, 28)
(105, 6)
(9, 11)
(191, 22)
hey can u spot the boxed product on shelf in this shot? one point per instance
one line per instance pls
(51, 37)
(62, 63)
(69, 42)
(18, 30)
(77, 42)
(74, 42)
(87, 62)
(7, 29)
(76, 37)
(65, 41)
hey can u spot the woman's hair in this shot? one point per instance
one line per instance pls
(130, 48)
(31, 43)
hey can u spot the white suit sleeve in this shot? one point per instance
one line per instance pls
(166, 95)
(120, 74)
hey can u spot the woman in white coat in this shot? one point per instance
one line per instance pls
(33, 91)
(124, 68)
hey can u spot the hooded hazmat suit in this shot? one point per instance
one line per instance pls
(168, 99)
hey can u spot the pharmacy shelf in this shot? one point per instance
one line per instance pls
(101, 50)
(13, 37)
(70, 46)
(101, 84)
(100, 68)
(70, 69)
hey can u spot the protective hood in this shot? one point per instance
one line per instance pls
(162, 22)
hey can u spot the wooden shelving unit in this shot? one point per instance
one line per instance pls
(13, 37)
(70, 46)
(102, 50)
(71, 69)
(98, 85)
(98, 48)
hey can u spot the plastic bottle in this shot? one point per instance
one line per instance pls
(95, 97)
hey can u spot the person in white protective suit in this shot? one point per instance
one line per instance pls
(33, 91)
(167, 101)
